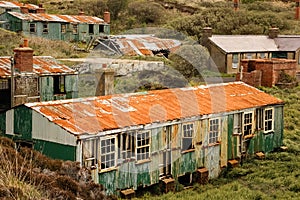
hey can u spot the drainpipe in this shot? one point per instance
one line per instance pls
(12, 82)
(241, 73)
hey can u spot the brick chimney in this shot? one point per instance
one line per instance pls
(236, 4)
(106, 17)
(23, 58)
(273, 33)
(81, 12)
(297, 9)
(40, 9)
(24, 9)
(206, 33)
(105, 77)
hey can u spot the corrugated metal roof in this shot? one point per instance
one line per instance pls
(6, 4)
(144, 44)
(96, 114)
(244, 43)
(58, 18)
(42, 65)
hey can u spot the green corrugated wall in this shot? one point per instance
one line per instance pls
(23, 122)
(2, 122)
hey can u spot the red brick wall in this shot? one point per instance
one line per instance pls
(23, 59)
(252, 78)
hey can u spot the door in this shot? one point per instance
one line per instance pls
(166, 154)
(212, 161)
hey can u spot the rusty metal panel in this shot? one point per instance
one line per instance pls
(224, 141)
(125, 110)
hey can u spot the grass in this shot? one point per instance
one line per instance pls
(275, 177)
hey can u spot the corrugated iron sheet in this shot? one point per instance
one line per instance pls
(144, 44)
(42, 65)
(93, 115)
(58, 18)
(6, 4)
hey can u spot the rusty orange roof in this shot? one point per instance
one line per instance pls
(7, 4)
(96, 114)
(42, 65)
(58, 18)
(144, 44)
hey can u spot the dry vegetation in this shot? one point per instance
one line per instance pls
(27, 174)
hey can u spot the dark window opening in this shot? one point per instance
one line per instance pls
(75, 28)
(279, 55)
(59, 85)
(91, 28)
(126, 145)
(63, 28)
(45, 28)
(187, 139)
(32, 28)
(101, 28)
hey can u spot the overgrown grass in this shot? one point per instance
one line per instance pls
(275, 177)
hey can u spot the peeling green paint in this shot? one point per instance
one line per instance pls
(2, 122)
(55, 150)
(23, 122)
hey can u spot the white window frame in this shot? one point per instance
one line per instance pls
(237, 123)
(90, 152)
(75, 28)
(245, 123)
(108, 152)
(235, 62)
(188, 132)
(142, 150)
(63, 28)
(214, 131)
(126, 142)
(259, 119)
(268, 120)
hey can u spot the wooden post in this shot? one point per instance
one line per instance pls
(297, 14)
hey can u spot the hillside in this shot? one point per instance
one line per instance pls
(26, 174)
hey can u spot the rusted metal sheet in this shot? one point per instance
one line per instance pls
(140, 44)
(58, 18)
(6, 4)
(96, 114)
(42, 65)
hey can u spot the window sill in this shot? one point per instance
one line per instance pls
(250, 136)
(108, 170)
(214, 144)
(187, 151)
(142, 161)
(269, 132)
(237, 134)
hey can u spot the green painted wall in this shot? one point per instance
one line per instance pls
(108, 180)
(230, 150)
(23, 122)
(2, 122)
(46, 88)
(55, 150)
(71, 86)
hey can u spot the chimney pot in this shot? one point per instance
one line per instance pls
(25, 42)
(106, 17)
(273, 32)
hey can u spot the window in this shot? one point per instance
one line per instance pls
(262, 55)
(45, 27)
(249, 55)
(237, 123)
(248, 123)
(214, 130)
(101, 28)
(143, 146)
(268, 120)
(235, 60)
(188, 134)
(91, 28)
(108, 152)
(4, 84)
(126, 144)
(75, 28)
(90, 152)
(259, 119)
(59, 84)
(32, 28)
(63, 28)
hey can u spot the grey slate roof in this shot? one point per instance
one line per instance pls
(288, 42)
(256, 43)
(244, 43)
